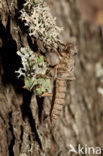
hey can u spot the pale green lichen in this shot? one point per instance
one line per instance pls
(41, 25)
(37, 1)
(100, 90)
(44, 85)
(99, 70)
(33, 70)
(0, 4)
(99, 74)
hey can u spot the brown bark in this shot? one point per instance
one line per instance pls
(24, 126)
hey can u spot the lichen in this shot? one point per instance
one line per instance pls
(0, 4)
(37, 17)
(99, 75)
(100, 90)
(99, 70)
(41, 25)
(33, 70)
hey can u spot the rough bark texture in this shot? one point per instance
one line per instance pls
(24, 126)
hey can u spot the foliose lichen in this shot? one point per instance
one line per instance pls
(41, 25)
(0, 4)
(33, 70)
(37, 17)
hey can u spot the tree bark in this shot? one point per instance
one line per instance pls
(24, 126)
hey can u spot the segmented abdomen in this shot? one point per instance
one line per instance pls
(59, 100)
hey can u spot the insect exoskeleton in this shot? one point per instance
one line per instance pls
(59, 100)
(64, 71)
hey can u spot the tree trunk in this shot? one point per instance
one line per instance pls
(24, 126)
